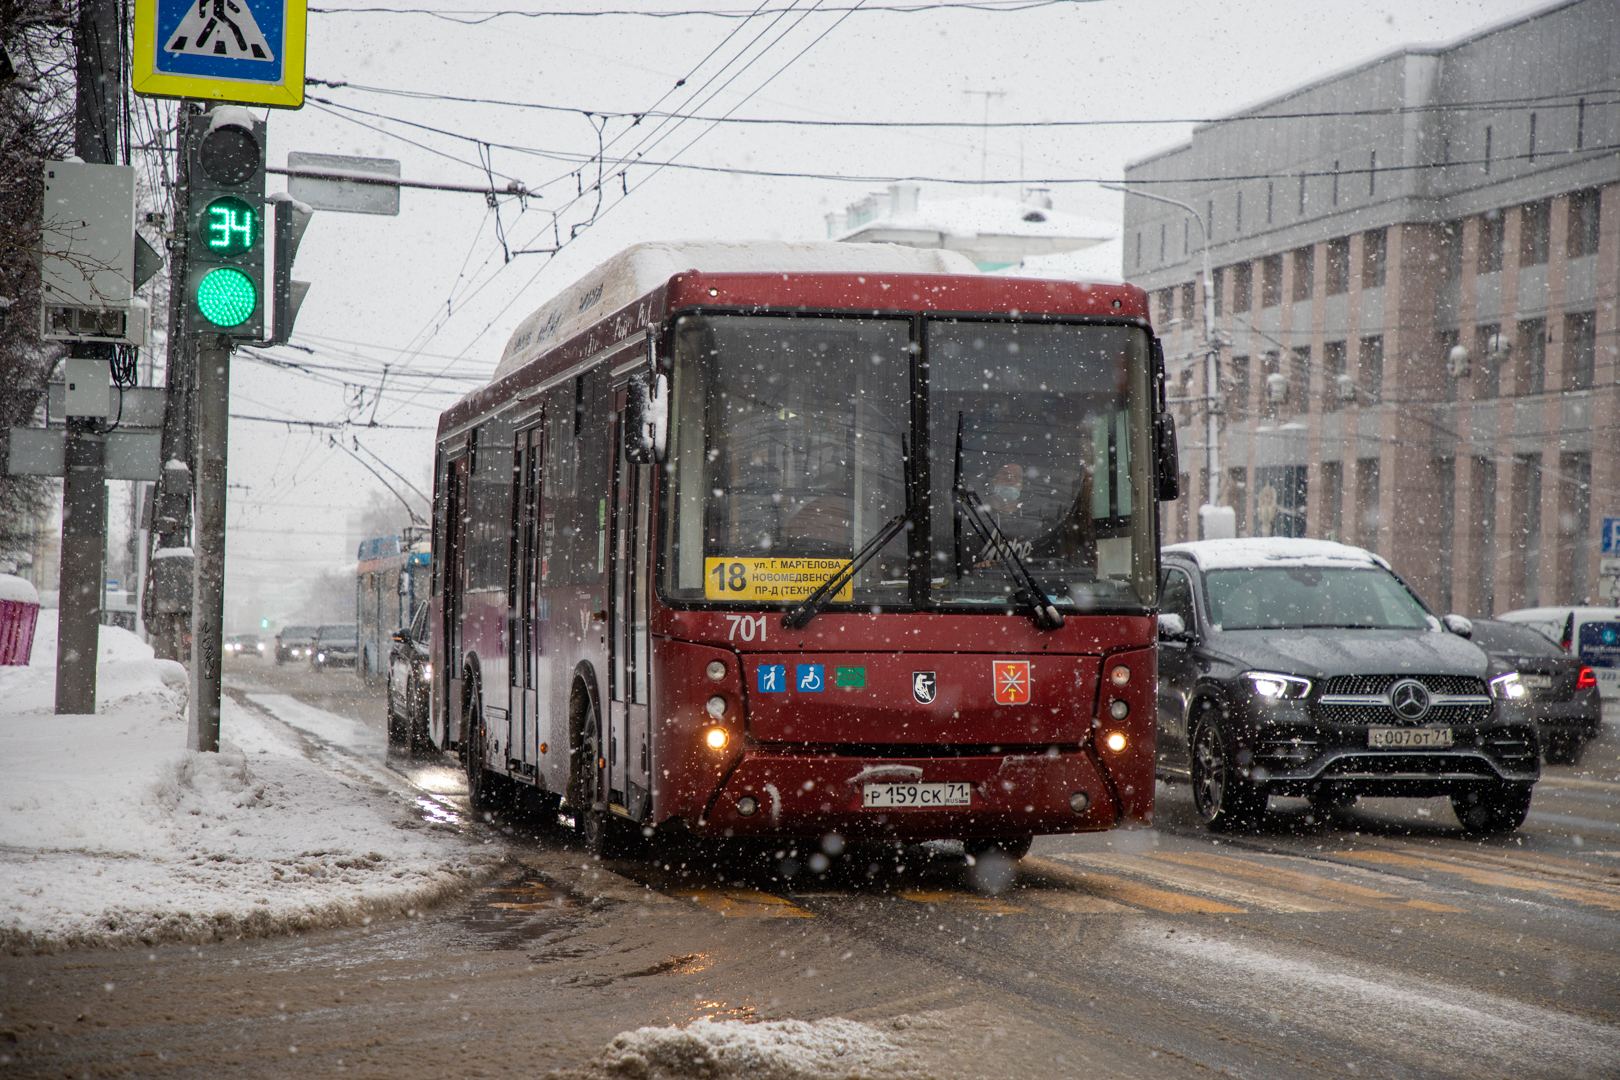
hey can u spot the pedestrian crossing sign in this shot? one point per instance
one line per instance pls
(246, 52)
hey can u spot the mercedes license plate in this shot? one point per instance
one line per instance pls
(1409, 738)
(896, 796)
(1537, 682)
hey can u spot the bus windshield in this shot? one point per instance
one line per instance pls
(791, 439)
(1033, 421)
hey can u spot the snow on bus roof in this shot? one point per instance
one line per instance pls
(639, 270)
(1245, 552)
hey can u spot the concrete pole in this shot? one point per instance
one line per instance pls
(208, 524)
(84, 487)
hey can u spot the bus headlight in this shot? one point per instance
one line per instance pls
(1115, 741)
(715, 706)
(716, 738)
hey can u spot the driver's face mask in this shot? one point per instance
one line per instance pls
(1007, 494)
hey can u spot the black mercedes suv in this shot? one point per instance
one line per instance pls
(1308, 668)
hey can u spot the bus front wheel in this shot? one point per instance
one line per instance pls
(598, 830)
(480, 791)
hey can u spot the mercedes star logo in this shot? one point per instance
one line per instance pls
(1410, 699)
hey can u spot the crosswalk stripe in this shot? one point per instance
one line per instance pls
(1213, 884)
(739, 903)
(1343, 892)
(1491, 878)
(986, 904)
(1111, 887)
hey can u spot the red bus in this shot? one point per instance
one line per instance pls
(790, 540)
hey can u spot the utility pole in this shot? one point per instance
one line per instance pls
(1212, 508)
(84, 487)
(984, 131)
(208, 593)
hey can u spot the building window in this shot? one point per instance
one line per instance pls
(1483, 530)
(1370, 366)
(1487, 362)
(1574, 525)
(1532, 138)
(1451, 237)
(1332, 499)
(1237, 497)
(1279, 500)
(1238, 220)
(1533, 347)
(1304, 273)
(1535, 232)
(1338, 266)
(1220, 274)
(1186, 236)
(1189, 303)
(1373, 258)
(1302, 195)
(1527, 511)
(1580, 349)
(1372, 174)
(1162, 233)
(1269, 409)
(1580, 124)
(1487, 158)
(1271, 191)
(1301, 375)
(1167, 306)
(1446, 526)
(1333, 353)
(1138, 248)
(1446, 340)
(1583, 222)
(1335, 182)
(1490, 242)
(1243, 286)
(1237, 389)
(1271, 281)
(1367, 503)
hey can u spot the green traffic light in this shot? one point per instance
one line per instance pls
(230, 226)
(227, 297)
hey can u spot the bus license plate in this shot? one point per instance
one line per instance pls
(895, 796)
(1409, 738)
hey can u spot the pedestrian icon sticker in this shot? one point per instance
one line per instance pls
(220, 28)
(810, 678)
(773, 678)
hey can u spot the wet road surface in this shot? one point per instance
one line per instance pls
(1378, 943)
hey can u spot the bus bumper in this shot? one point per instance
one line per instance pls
(1011, 795)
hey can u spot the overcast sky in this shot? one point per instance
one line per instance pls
(431, 294)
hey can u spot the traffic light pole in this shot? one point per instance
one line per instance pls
(84, 485)
(208, 526)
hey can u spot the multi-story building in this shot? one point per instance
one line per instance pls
(1416, 269)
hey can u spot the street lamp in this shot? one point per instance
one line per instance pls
(1208, 512)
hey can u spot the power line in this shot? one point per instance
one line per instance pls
(476, 17)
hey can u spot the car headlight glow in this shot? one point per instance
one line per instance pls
(1507, 687)
(1275, 687)
(321, 657)
(427, 672)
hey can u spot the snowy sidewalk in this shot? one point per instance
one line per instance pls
(113, 833)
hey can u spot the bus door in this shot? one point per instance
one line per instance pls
(526, 605)
(457, 510)
(629, 764)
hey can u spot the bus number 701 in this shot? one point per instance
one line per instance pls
(746, 626)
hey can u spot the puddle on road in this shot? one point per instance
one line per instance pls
(436, 812)
(519, 912)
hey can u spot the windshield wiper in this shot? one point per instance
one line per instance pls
(1044, 612)
(806, 609)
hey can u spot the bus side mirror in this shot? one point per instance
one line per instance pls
(1169, 462)
(647, 419)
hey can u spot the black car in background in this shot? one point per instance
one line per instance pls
(295, 643)
(1561, 693)
(410, 677)
(1307, 668)
(336, 645)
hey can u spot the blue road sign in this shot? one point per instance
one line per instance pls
(247, 51)
(1610, 540)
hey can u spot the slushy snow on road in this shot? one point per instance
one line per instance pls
(113, 833)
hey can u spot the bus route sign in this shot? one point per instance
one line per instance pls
(247, 52)
(769, 580)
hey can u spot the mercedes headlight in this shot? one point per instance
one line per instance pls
(1275, 687)
(1507, 687)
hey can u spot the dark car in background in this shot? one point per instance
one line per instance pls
(1307, 668)
(1561, 691)
(410, 678)
(336, 645)
(295, 643)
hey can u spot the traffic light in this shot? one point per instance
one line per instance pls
(226, 280)
(287, 295)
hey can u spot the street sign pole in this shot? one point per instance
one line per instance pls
(208, 589)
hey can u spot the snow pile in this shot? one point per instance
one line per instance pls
(18, 590)
(112, 833)
(777, 1050)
